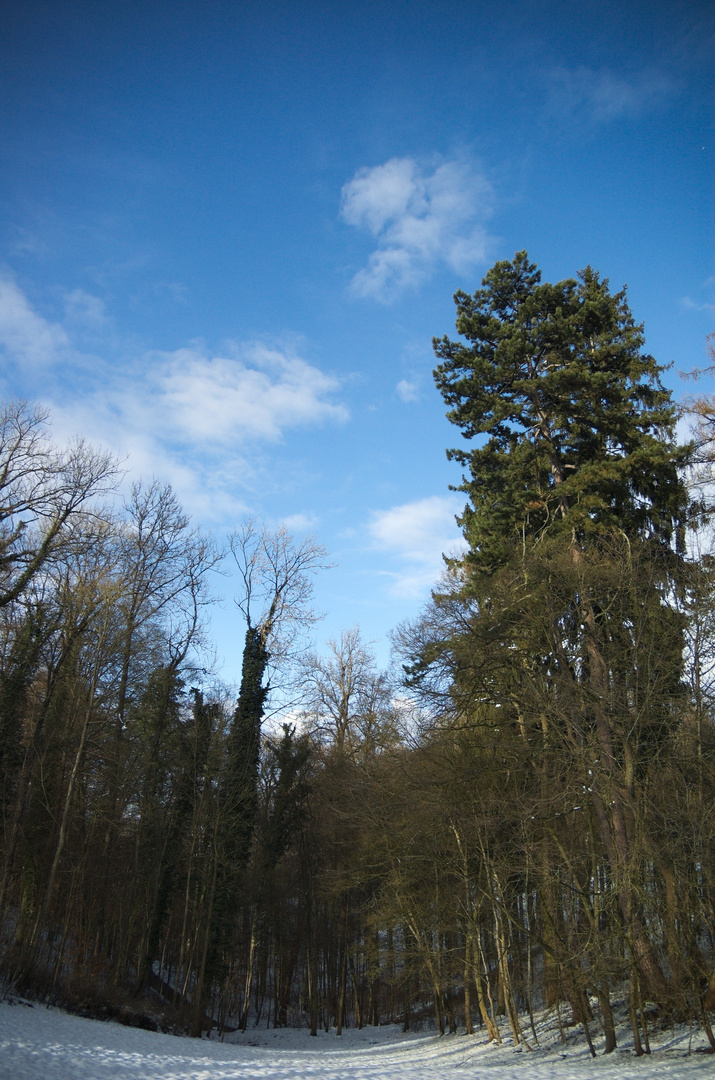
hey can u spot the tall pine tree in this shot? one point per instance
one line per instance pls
(574, 426)
(575, 522)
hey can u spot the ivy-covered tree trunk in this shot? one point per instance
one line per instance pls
(15, 678)
(243, 751)
(193, 750)
(238, 805)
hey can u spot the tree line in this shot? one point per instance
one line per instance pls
(521, 817)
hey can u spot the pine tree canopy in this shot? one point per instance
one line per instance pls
(573, 430)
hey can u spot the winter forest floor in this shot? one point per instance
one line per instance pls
(39, 1043)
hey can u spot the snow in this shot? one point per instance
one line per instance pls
(39, 1043)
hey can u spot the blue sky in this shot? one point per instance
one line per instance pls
(229, 231)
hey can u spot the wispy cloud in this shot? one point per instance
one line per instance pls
(421, 218)
(25, 336)
(602, 95)
(193, 416)
(418, 534)
(704, 301)
(83, 309)
(694, 305)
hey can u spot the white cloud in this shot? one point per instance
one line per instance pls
(420, 218)
(256, 395)
(26, 336)
(191, 417)
(259, 392)
(374, 196)
(418, 534)
(407, 391)
(300, 524)
(418, 529)
(604, 95)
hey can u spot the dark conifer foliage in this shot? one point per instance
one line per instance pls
(576, 429)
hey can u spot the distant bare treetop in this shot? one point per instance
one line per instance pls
(44, 491)
(276, 571)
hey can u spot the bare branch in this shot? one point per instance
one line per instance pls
(43, 493)
(276, 571)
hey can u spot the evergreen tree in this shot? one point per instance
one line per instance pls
(562, 612)
(574, 426)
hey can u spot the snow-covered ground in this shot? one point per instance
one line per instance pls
(37, 1043)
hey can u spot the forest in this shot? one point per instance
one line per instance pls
(520, 815)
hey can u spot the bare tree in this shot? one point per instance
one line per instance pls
(164, 566)
(44, 491)
(276, 572)
(349, 699)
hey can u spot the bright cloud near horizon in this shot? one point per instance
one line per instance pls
(229, 233)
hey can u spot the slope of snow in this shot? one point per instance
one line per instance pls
(37, 1043)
